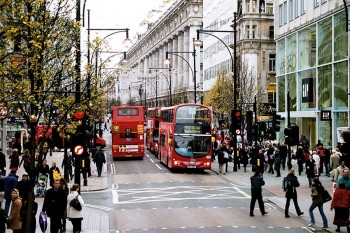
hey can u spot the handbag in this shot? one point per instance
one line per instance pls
(325, 196)
(226, 156)
(75, 203)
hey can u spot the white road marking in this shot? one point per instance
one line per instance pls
(151, 160)
(270, 205)
(241, 192)
(115, 196)
(158, 167)
(98, 207)
(176, 193)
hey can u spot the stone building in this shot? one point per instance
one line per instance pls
(150, 80)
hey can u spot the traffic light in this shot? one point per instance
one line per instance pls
(262, 129)
(276, 122)
(288, 136)
(291, 135)
(236, 119)
(249, 119)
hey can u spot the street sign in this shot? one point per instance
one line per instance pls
(3, 111)
(78, 150)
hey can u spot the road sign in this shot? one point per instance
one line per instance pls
(78, 150)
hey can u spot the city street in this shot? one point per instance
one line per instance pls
(145, 196)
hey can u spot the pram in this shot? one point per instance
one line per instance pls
(41, 185)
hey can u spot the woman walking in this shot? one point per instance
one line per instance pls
(340, 204)
(74, 215)
(316, 194)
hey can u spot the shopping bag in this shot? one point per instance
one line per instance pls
(43, 221)
(326, 196)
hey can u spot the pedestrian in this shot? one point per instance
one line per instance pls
(222, 154)
(14, 219)
(283, 153)
(271, 158)
(25, 161)
(55, 203)
(99, 160)
(24, 186)
(310, 169)
(335, 162)
(340, 170)
(10, 183)
(340, 204)
(344, 179)
(87, 161)
(54, 173)
(74, 215)
(256, 182)
(327, 160)
(3, 219)
(2, 163)
(68, 163)
(243, 154)
(260, 162)
(43, 168)
(277, 162)
(299, 156)
(317, 159)
(316, 194)
(63, 186)
(14, 160)
(291, 192)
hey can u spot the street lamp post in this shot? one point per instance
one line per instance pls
(161, 68)
(235, 75)
(194, 71)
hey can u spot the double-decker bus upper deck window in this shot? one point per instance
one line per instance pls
(128, 112)
(193, 115)
(167, 115)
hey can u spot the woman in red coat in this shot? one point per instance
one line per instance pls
(340, 204)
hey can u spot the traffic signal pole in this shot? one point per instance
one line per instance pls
(289, 162)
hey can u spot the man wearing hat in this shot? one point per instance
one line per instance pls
(10, 182)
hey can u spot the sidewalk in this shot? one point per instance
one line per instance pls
(273, 185)
(94, 219)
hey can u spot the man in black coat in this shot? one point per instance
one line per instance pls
(99, 159)
(55, 203)
(257, 182)
(291, 192)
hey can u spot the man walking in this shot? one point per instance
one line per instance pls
(55, 204)
(10, 183)
(291, 182)
(99, 159)
(2, 163)
(257, 182)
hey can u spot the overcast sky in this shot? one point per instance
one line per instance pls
(122, 14)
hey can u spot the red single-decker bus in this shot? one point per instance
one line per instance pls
(152, 129)
(128, 132)
(185, 136)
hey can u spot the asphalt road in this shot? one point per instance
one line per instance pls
(146, 197)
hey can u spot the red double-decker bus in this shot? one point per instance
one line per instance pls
(128, 132)
(152, 129)
(185, 136)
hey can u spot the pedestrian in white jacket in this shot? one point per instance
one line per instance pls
(316, 157)
(74, 215)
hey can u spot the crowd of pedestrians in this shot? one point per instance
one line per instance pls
(57, 197)
(272, 157)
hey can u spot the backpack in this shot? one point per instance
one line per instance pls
(285, 184)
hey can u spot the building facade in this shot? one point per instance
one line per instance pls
(313, 66)
(256, 51)
(151, 81)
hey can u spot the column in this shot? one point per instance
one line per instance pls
(174, 63)
(180, 72)
(187, 56)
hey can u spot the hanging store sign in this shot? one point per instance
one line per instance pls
(326, 116)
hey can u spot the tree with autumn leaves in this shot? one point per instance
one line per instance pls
(37, 68)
